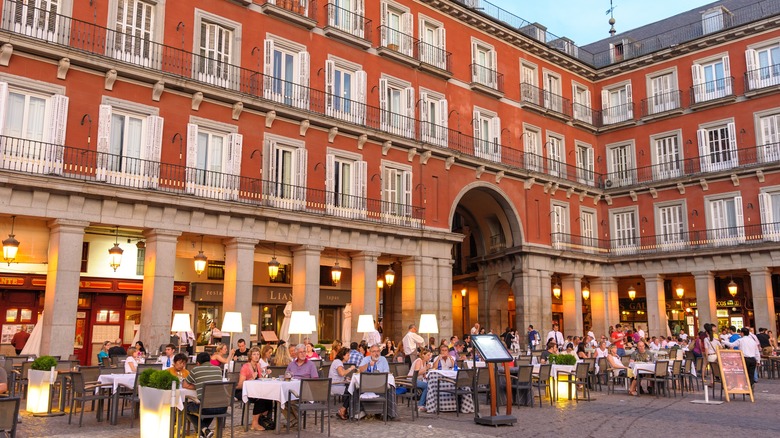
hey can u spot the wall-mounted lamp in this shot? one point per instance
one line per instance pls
(10, 245)
(87, 118)
(556, 288)
(695, 213)
(679, 290)
(115, 253)
(181, 145)
(689, 141)
(463, 292)
(335, 271)
(732, 287)
(390, 276)
(586, 291)
(632, 292)
(273, 266)
(200, 260)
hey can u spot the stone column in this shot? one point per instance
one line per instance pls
(157, 298)
(571, 294)
(442, 293)
(364, 290)
(62, 287)
(306, 284)
(706, 302)
(763, 298)
(604, 304)
(411, 296)
(239, 275)
(531, 293)
(656, 305)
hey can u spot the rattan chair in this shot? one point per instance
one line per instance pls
(313, 395)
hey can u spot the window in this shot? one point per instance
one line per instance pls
(726, 222)
(396, 191)
(397, 28)
(396, 103)
(218, 42)
(433, 43)
(286, 71)
(667, 156)
(529, 91)
(487, 129)
(347, 15)
(588, 229)
(345, 184)
(213, 159)
(552, 92)
(131, 40)
(85, 256)
(581, 107)
(769, 138)
(624, 231)
(483, 58)
(718, 147)
(763, 66)
(620, 165)
(585, 166)
(617, 104)
(284, 168)
(559, 227)
(713, 20)
(663, 94)
(769, 203)
(345, 88)
(33, 121)
(532, 139)
(671, 226)
(433, 118)
(556, 151)
(711, 79)
(140, 255)
(36, 18)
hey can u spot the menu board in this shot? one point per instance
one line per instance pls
(491, 349)
(733, 373)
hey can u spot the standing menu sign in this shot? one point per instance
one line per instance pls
(493, 351)
(733, 373)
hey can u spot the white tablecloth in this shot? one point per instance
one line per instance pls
(355, 382)
(117, 380)
(269, 389)
(556, 368)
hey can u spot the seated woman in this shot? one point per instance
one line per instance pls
(581, 353)
(602, 351)
(253, 370)
(421, 365)
(103, 352)
(335, 347)
(338, 373)
(221, 356)
(282, 356)
(388, 349)
(443, 361)
(310, 353)
(552, 348)
(140, 347)
(617, 367)
(131, 362)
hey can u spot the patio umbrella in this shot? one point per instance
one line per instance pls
(137, 332)
(346, 325)
(284, 332)
(33, 345)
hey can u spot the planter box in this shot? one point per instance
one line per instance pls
(155, 412)
(38, 390)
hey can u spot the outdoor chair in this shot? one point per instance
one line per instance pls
(84, 392)
(522, 382)
(372, 383)
(313, 395)
(543, 381)
(716, 380)
(482, 386)
(277, 371)
(578, 378)
(9, 415)
(676, 377)
(216, 395)
(660, 377)
(463, 385)
(412, 394)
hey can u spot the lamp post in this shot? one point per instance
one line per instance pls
(300, 323)
(463, 313)
(428, 325)
(232, 323)
(181, 323)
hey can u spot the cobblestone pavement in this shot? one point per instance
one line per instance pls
(614, 415)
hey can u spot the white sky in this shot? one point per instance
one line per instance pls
(586, 21)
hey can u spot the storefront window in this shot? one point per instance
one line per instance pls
(206, 314)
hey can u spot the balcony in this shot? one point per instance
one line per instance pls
(583, 114)
(34, 157)
(617, 114)
(397, 45)
(348, 26)
(300, 12)
(762, 78)
(662, 104)
(434, 59)
(712, 92)
(546, 101)
(487, 80)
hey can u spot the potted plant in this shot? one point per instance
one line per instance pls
(562, 359)
(40, 377)
(156, 390)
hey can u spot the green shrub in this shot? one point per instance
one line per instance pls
(562, 359)
(44, 363)
(159, 379)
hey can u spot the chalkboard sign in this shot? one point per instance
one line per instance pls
(733, 373)
(491, 349)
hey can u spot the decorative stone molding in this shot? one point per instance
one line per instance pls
(425, 156)
(386, 147)
(410, 154)
(62, 68)
(362, 141)
(270, 116)
(653, 193)
(157, 90)
(569, 192)
(238, 107)
(704, 184)
(608, 198)
(760, 175)
(480, 171)
(632, 194)
(681, 188)
(332, 132)
(499, 176)
(449, 162)
(304, 127)
(5, 54)
(110, 79)
(197, 99)
(527, 184)
(735, 179)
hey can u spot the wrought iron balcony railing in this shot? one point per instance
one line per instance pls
(763, 77)
(554, 102)
(349, 22)
(487, 77)
(712, 90)
(661, 103)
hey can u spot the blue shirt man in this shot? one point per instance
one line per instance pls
(354, 355)
(533, 337)
(734, 335)
(374, 363)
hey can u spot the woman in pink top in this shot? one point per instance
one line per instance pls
(221, 356)
(310, 353)
(253, 370)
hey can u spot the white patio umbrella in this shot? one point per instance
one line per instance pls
(137, 334)
(33, 345)
(284, 332)
(346, 325)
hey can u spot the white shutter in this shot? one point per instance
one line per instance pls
(739, 216)
(477, 131)
(425, 125)
(361, 190)
(358, 18)
(360, 86)
(697, 71)
(153, 139)
(330, 67)
(590, 164)
(103, 142)
(733, 143)
(383, 110)
(59, 119)
(474, 69)
(605, 109)
(441, 35)
(303, 79)
(704, 150)
(409, 121)
(629, 102)
(765, 207)
(330, 171)
(383, 23)
(407, 26)
(495, 126)
(235, 147)
(192, 145)
(727, 75)
(751, 58)
(3, 106)
(442, 123)
(269, 156)
(300, 156)
(268, 68)
(407, 192)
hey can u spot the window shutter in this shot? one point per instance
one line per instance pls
(192, 145)
(425, 125)
(409, 122)
(704, 150)
(268, 68)
(739, 216)
(727, 74)
(103, 142)
(442, 122)
(3, 105)
(407, 192)
(495, 126)
(235, 147)
(152, 150)
(629, 102)
(360, 92)
(477, 126)
(357, 20)
(697, 72)
(300, 156)
(269, 157)
(751, 58)
(765, 206)
(590, 164)
(733, 143)
(475, 65)
(605, 107)
(441, 35)
(59, 119)
(330, 170)
(383, 23)
(383, 110)
(407, 25)
(303, 79)
(330, 67)
(361, 186)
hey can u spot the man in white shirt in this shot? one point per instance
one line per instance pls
(475, 329)
(410, 344)
(373, 337)
(187, 339)
(556, 336)
(640, 331)
(750, 350)
(166, 359)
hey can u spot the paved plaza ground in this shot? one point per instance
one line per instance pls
(607, 416)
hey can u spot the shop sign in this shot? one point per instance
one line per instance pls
(213, 292)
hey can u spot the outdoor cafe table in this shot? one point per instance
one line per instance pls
(117, 381)
(448, 400)
(355, 402)
(567, 369)
(268, 389)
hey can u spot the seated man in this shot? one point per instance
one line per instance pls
(117, 349)
(166, 359)
(241, 353)
(205, 372)
(301, 367)
(373, 363)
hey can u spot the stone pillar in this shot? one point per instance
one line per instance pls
(656, 306)
(62, 287)
(706, 303)
(531, 293)
(411, 291)
(604, 304)
(571, 294)
(442, 293)
(306, 284)
(763, 298)
(239, 275)
(364, 290)
(157, 298)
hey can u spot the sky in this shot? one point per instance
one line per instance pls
(586, 21)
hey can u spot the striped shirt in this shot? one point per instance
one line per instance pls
(201, 374)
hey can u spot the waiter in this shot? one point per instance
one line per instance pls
(20, 339)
